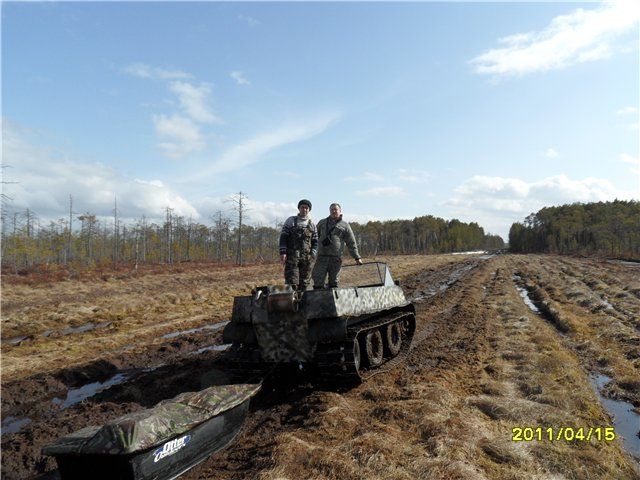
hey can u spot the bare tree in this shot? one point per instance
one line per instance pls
(169, 234)
(87, 230)
(116, 230)
(239, 207)
(221, 229)
(69, 234)
(3, 196)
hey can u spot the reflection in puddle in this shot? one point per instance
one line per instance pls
(84, 328)
(16, 340)
(212, 348)
(77, 395)
(625, 262)
(65, 331)
(607, 305)
(151, 369)
(525, 295)
(213, 326)
(441, 287)
(625, 421)
(13, 424)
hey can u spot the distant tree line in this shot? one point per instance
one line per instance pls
(603, 228)
(425, 234)
(84, 240)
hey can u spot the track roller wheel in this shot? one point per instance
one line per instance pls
(393, 338)
(357, 359)
(374, 347)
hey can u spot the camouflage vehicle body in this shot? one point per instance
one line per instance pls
(348, 331)
(158, 443)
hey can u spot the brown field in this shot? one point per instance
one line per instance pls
(482, 363)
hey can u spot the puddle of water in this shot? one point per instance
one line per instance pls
(13, 424)
(84, 328)
(77, 395)
(625, 422)
(441, 287)
(525, 295)
(527, 300)
(476, 252)
(213, 326)
(625, 262)
(607, 304)
(65, 331)
(487, 257)
(212, 348)
(16, 340)
(151, 369)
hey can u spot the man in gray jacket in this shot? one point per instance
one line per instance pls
(333, 234)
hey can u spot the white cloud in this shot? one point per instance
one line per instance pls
(46, 177)
(267, 213)
(256, 212)
(146, 71)
(627, 110)
(580, 36)
(254, 149)
(401, 174)
(239, 77)
(498, 193)
(391, 191)
(193, 101)
(252, 22)
(414, 176)
(551, 153)
(155, 183)
(366, 176)
(635, 162)
(497, 202)
(182, 134)
(179, 134)
(496, 187)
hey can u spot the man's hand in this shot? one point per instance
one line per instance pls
(283, 258)
(358, 261)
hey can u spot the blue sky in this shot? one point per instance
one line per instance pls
(478, 111)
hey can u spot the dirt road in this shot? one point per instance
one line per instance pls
(483, 363)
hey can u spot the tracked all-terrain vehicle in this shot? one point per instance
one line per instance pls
(345, 334)
(350, 333)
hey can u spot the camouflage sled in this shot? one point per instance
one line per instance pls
(158, 443)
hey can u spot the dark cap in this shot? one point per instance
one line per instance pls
(304, 201)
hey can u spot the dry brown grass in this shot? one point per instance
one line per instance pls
(489, 365)
(596, 302)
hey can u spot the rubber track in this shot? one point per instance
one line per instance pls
(332, 362)
(337, 362)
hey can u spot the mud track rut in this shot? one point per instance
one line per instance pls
(456, 363)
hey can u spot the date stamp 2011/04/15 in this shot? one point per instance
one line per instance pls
(559, 434)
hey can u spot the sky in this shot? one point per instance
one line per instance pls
(483, 112)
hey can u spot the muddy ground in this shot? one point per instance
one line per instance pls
(78, 353)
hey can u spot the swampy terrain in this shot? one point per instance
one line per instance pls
(545, 343)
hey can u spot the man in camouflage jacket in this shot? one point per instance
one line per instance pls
(299, 247)
(333, 233)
